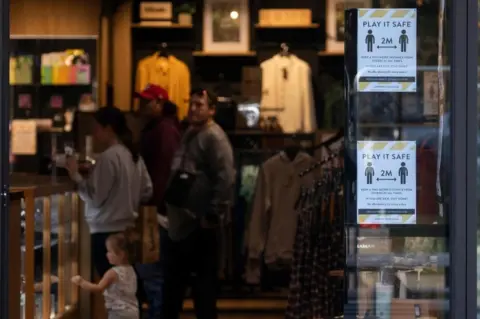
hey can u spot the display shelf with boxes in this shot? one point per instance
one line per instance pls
(50, 79)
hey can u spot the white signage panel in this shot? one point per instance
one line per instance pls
(386, 182)
(387, 50)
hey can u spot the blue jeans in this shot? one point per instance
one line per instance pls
(151, 276)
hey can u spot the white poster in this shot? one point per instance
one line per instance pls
(430, 93)
(23, 137)
(387, 50)
(386, 182)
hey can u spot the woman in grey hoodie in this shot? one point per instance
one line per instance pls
(116, 186)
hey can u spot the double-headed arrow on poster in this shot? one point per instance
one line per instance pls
(386, 179)
(386, 47)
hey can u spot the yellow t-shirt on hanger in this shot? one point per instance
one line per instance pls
(171, 74)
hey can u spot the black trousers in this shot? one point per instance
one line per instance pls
(192, 260)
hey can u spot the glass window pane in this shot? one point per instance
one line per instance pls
(397, 173)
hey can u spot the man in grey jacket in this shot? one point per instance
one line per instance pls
(192, 248)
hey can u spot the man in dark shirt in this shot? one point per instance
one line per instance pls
(160, 139)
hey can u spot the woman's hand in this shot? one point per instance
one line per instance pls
(77, 280)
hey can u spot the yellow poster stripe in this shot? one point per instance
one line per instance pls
(400, 13)
(379, 13)
(399, 146)
(406, 217)
(405, 86)
(362, 12)
(363, 85)
(379, 146)
(362, 218)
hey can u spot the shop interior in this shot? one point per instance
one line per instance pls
(278, 70)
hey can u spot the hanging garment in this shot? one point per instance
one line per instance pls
(286, 85)
(273, 219)
(319, 248)
(169, 73)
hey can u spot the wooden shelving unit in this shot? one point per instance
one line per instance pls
(224, 54)
(146, 25)
(306, 26)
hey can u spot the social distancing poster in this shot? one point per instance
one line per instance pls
(386, 182)
(387, 50)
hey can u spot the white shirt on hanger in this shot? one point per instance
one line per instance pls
(287, 91)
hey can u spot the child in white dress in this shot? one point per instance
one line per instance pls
(119, 284)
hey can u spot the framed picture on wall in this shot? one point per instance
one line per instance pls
(335, 26)
(226, 26)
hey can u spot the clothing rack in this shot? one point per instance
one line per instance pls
(254, 139)
(331, 140)
(318, 164)
(319, 249)
(259, 133)
(332, 155)
(257, 151)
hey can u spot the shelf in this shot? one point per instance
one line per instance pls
(153, 25)
(224, 54)
(331, 53)
(50, 85)
(307, 26)
(394, 125)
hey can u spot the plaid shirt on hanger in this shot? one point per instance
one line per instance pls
(295, 305)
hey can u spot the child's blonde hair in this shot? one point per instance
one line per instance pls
(120, 243)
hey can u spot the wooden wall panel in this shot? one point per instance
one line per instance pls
(122, 57)
(104, 58)
(54, 17)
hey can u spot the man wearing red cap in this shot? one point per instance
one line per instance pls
(152, 99)
(160, 138)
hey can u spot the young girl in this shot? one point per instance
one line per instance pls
(119, 284)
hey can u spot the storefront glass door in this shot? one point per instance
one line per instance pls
(398, 160)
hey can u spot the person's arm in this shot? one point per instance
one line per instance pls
(109, 278)
(220, 160)
(95, 189)
(146, 187)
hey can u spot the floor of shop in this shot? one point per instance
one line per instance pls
(241, 316)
